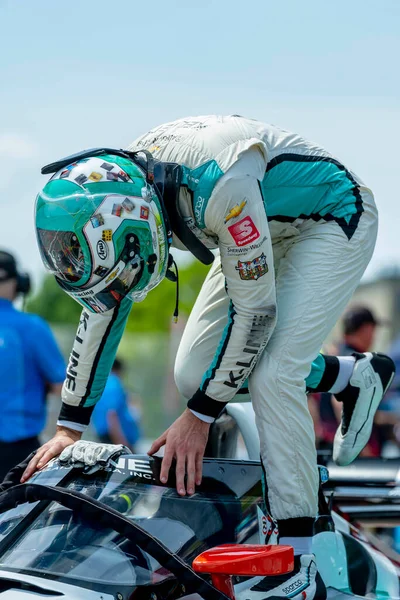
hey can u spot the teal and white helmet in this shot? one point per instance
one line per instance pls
(102, 228)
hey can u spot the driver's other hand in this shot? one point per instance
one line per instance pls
(185, 441)
(64, 437)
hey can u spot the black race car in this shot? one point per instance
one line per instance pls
(120, 534)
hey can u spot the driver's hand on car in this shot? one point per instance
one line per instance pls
(64, 437)
(185, 441)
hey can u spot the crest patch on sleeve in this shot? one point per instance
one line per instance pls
(252, 269)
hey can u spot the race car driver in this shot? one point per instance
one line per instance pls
(295, 231)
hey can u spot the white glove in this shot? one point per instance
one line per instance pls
(91, 456)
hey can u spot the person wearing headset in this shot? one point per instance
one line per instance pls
(31, 366)
(295, 231)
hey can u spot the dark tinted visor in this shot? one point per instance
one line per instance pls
(62, 254)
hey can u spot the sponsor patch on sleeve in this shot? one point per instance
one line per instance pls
(252, 269)
(244, 231)
(235, 211)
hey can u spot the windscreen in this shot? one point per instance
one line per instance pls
(60, 544)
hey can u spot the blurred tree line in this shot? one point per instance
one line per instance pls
(152, 315)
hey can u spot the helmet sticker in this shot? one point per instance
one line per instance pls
(101, 271)
(111, 176)
(97, 220)
(66, 172)
(144, 213)
(104, 223)
(95, 176)
(81, 179)
(117, 176)
(128, 205)
(117, 210)
(106, 235)
(93, 170)
(102, 250)
(112, 276)
(107, 166)
(161, 243)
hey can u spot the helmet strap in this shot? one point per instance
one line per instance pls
(174, 277)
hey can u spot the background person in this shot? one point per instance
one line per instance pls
(388, 416)
(113, 419)
(359, 329)
(31, 365)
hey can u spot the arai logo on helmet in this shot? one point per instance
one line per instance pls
(102, 250)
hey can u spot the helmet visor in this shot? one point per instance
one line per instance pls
(62, 254)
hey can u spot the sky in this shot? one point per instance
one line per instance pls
(81, 74)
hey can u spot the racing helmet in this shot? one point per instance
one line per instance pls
(102, 227)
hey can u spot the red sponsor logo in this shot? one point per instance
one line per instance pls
(244, 232)
(144, 213)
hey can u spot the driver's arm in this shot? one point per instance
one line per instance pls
(247, 263)
(95, 346)
(89, 365)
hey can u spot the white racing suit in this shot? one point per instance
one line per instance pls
(295, 231)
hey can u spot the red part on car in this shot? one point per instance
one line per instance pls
(245, 560)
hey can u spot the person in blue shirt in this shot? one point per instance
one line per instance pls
(113, 419)
(31, 366)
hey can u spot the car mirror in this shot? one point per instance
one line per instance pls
(247, 560)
